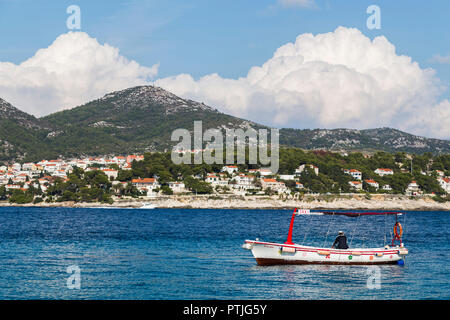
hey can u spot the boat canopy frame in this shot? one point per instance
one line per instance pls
(351, 214)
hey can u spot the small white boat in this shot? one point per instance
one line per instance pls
(271, 253)
(148, 206)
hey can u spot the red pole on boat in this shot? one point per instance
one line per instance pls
(289, 238)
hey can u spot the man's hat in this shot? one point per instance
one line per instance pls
(341, 232)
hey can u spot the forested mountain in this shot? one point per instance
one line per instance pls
(137, 119)
(141, 119)
(385, 139)
(22, 135)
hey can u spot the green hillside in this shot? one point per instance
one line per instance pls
(141, 119)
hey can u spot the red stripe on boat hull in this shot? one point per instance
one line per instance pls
(349, 251)
(273, 262)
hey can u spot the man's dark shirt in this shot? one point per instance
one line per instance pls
(341, 242)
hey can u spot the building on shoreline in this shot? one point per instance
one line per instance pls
(302, 167)
(413, 189)
(230, 169)
(355, 185)
(147, 186)
(274, 185)
(227, 180)
(444, 183)
(372, 183)
(356, 174)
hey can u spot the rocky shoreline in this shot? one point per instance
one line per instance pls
(357, 201)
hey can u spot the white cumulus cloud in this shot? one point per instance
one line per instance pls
(340, 79)
(433, 122)
(335, 79)
(74, 69)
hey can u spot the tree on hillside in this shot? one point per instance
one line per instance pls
(198, 186)
(3, 193)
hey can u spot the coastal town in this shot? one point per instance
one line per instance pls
(230, 179)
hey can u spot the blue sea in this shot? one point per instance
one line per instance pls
(197, 254)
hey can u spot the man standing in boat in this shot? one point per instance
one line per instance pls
(341, 241)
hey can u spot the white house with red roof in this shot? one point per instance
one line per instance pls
(356, 185)
(16, 167)
(299, 185)
(212, 178)
(264, 172)
(120, 159)
(22, 177)
(372, 183)
(29, 166)
(133, 157)
(43, 181)
(111, 173)
(147, 185)
(356, 174)
(243, 181)
(81, 164)
(126, 166)
(177, 186)
(60, 174)
(413, 189)
(445, 184)
(230, 169)
(273, 184)
(144, 183)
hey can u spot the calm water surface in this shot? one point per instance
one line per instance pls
(197, 254)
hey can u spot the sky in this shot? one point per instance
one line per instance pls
(283, 63)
